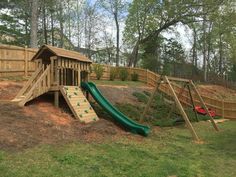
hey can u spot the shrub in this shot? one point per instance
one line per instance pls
(147, 93)
(98, 69)
(113, 74)
(141, 97)
(123, 74)
(134, 76)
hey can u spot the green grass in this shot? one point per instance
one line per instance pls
(158, 112)
(119, 83)
(163, 153)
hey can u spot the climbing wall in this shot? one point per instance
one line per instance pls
(78, 104)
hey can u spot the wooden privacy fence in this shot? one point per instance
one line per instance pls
(16, 61)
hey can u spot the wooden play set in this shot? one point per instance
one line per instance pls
(60, 70)
(186, 84)
(63, 71)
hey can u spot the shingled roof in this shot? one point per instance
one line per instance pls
(61, 53)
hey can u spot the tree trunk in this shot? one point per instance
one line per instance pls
(221, 56)
(61, 26)
(204, 49)
(117, 40)
(44, 23)
(26, 31)
(194, 60)
(52, 28)
(34, 24)
(209, 48)
(134, 55)
(69, 23)
(78, 23)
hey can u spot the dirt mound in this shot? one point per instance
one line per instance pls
(39, 122)
(8, 89)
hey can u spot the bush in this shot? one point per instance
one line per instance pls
(98, 69)
(113, 74)
(134, 76)
(141, 97)
(123, 74)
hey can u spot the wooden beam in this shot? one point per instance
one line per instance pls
(56, 93)
(150, 99)
(78, 77)
(204, 106)
(188, 123)
(178, 79)
(179, 95)
(191, 97)
(52, 59)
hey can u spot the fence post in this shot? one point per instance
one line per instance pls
(147, 77)
(223, 109)
(26, 61)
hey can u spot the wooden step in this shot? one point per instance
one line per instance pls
(18, 99)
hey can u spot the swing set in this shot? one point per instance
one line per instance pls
(186, 84)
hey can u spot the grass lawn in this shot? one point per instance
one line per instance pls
(119, 83)
(165, 152)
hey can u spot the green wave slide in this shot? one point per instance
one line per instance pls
(129, 124)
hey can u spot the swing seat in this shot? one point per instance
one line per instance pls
(202, 111)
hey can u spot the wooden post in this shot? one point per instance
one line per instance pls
(179, 95)
(78, 77)
(188, 123)
(204, 106)
(52, 60)
(26, 61)
(147, 77)
(56, 79)
(223, 109)
(190, 94)
(150, 99)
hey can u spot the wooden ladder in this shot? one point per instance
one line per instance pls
(78, 104)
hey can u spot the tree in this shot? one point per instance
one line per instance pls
(161, 16)
(34, 24)
(117, 9)
(14, 22)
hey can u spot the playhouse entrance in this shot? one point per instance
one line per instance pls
(68, 77)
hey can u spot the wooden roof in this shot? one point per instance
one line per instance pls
(61, 53)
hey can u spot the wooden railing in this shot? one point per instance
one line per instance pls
(24, 90)
(15, 61)
(41, 86)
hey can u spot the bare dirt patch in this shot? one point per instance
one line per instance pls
(39, 122)
(8, 89)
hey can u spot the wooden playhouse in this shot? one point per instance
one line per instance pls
(60, 71)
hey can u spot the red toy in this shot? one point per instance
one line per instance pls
(201, 110)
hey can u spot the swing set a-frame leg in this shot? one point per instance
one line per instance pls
(179, 95)
(188, 123)
(191, 98)
(151, 98)
(204, 106)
